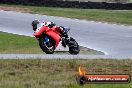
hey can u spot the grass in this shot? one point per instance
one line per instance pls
(19, 44)
(12, 43)
(114, 16)
(28, 73)
(130, 1)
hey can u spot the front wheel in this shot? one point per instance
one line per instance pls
(73, 46)
(48, 48)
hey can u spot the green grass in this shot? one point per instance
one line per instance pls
(12, 43)
(97, 15)
(130, 1)
(58, 73)
(116, 16)
(19, 44)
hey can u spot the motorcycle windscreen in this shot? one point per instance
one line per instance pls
(39, 31)
(55, 36)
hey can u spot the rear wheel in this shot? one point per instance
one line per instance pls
(48, 48)
(73, 46)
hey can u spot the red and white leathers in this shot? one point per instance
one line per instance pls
(53, 31)
(54, 28)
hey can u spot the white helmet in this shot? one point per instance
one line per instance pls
(50, 24)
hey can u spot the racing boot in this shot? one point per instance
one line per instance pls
(65, 39)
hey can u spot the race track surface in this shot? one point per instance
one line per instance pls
(57, 56)
(113, 40)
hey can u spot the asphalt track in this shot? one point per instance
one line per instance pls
(114, 40)
(57, 56)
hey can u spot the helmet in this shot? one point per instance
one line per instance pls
(34, 24)
(50, 24)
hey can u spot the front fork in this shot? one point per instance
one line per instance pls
(46, 39)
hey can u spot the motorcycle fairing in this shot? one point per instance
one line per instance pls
(55, 36)
(49, 32)
(39, 31)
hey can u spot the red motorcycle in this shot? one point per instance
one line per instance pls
(49, 39)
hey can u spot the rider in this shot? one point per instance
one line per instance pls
(36, 24)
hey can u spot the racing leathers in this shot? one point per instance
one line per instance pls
(52, 26)
(62, 30)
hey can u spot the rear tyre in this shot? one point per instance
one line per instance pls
(73, 46)
(47, 48)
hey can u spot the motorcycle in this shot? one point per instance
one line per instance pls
(49, 39)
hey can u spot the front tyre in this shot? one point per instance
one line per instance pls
(47, 48)
(73, 46)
